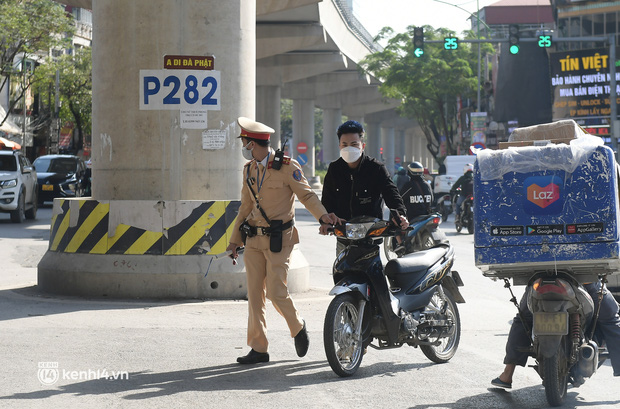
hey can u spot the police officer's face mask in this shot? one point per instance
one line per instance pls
(350, 153)
(247, 153)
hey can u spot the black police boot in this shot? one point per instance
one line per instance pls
(253, 357)
(302, 341)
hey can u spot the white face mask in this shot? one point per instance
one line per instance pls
(350, 154)
(247, 153)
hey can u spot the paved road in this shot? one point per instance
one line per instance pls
(182, 354)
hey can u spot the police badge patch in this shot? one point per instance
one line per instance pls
(297, 175)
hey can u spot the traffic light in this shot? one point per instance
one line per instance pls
(513, 38)
(544, 40)
(450, 43)
(418, 41)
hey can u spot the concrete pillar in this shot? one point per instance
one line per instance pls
(163, 158)
(400, 146)
(166, 158)
(373, 139)
(332, 119)
(303, 131)
(268, 110)
(387, 134)
(409, 147)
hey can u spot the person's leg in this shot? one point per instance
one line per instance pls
(255, 266)
(277, 289)
(517, 344)
(609, 324)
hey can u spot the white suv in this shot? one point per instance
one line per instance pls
(18, 186)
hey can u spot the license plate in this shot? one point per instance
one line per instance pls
(47, 187)
(550, 323)
(447, 203)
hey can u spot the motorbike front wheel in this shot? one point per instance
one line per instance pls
(343, 346)
(448, 343)
(457, 224)
(555, 375)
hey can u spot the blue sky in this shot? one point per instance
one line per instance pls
(398, 14)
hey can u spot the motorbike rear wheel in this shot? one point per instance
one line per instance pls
(426, 241)
(555, 375)
(343, 346)
(448, 343)
(470, 226)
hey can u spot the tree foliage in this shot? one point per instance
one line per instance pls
(74, 88)
(428, 86)
(29, 29)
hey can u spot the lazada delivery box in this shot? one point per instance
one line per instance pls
(545, 208)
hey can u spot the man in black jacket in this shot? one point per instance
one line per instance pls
(356, 184)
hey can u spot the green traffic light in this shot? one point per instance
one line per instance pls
(418, 52)
(514, 49)
(451, 43)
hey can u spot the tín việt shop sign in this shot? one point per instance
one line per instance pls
(580, 83)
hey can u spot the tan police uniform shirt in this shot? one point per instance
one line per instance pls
(276, 196)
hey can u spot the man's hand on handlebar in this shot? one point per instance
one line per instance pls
(399, 219)
(328, 220)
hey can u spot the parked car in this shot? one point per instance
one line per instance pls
(18, 186)
(60, 176)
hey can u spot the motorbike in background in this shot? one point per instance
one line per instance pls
(565, 343)
(423, 233)
(410, 302)
(466, 217)
(444, 206)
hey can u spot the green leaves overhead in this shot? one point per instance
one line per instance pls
(428, 86)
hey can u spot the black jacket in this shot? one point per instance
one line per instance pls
(359, 192)
(466, 183)
(418, 197)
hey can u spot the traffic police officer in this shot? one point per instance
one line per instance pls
(267, 216)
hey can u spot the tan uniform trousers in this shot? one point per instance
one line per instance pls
(267, 277)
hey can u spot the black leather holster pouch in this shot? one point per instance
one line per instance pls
(275, 236)
(246, 231)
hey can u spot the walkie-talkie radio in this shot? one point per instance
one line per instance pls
(277, 159)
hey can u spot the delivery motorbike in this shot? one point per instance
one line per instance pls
(423, 233)
(410, 302)
(565, 343)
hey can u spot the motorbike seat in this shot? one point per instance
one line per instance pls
(415, 263)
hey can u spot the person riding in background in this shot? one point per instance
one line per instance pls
(466, 183)
(416, 193)
(400, 178)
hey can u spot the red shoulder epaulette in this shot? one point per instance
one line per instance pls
(285, 161)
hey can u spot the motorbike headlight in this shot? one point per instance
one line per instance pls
(8, 183)
(357, 230)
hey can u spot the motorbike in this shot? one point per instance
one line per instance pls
(466, 217)
(444, 206)
(410, 302)
(565, 343)
(423, 233)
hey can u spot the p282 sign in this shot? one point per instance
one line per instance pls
(179, 89)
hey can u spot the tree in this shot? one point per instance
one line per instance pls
(74, 88)
(428, 86)
(29, 29)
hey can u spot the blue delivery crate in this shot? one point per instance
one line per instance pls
(546, 208)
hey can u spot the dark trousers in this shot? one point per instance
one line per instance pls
(608, 325)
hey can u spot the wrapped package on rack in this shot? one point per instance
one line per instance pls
(547, 206)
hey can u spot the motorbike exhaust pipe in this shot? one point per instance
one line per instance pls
(588, 359)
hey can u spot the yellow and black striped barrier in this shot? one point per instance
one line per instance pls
(205, 230)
